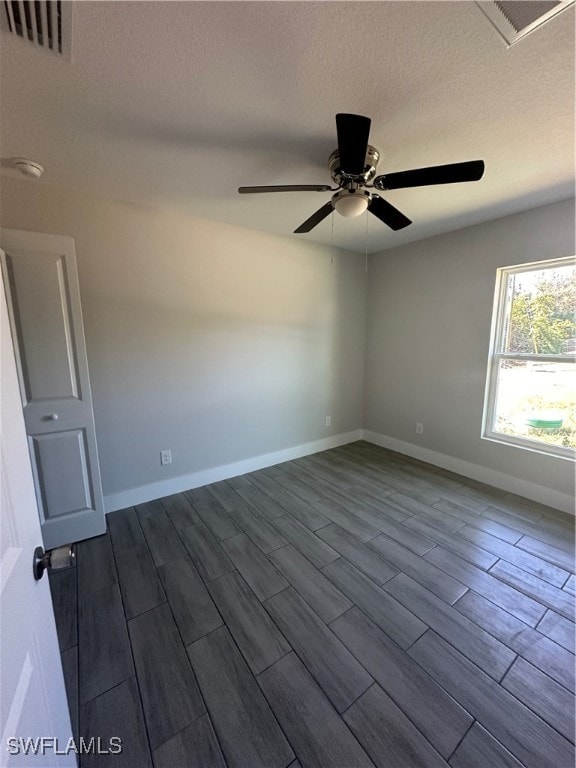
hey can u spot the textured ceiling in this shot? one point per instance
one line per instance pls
(178, 103)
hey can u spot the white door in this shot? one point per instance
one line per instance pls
(43, 296)
(32, 695)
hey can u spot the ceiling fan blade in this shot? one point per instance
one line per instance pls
(391, 216)
(437, 174)
(353, 132)
(316, 218)
(286, 188)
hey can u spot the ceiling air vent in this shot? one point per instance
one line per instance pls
(514, 19)
(46, 24)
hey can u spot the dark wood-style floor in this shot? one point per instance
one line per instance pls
(352, 608)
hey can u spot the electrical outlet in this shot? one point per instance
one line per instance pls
(419, 428)
(328, 421)
(165, 457)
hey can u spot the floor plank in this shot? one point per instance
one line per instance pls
(336, 513)
(545, 654)
(480, 750)
(65, 605)
(437, 581)
(542, 695)
(170, 695)
(559, 629)
(69, 660)
(453, 542)
(314, 549)
(478, 645)
(192, 607)
(246, 728)
(124, 527)
(534, 565)
(162, 538)
(262, 577)
(180, 510)
(224, 495)
(299, 508)
(149, 508)
(318, 591)
(396, 620)
(523, 607)
(319, 735)
(363, 506)
(478, 521)
(519, 507)
(334, 668)
(436, 714)
(484, 492)
(411, 539)
(532, 741)
(267, 508)
(95, 565)
(206, 553)
(328, 475)
(215, 517)
(116, 713)
(388, 735)
(262, 533)
(104, 657)
(200, 495)
(258, 638)
(559, 601)
(373, 509)
(196, 746)
(555, 538)
(140, 586)
(547, 552)
(281, 475)
(357, 553)
(434, 517)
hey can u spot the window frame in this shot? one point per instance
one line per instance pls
(500, 311)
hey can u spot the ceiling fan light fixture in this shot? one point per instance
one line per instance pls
(351, 203)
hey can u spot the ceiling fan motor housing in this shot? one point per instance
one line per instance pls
(343, 179)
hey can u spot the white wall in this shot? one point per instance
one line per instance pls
(218, 342)
(429, 315)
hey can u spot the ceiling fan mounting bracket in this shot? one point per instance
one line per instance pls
(345, 180)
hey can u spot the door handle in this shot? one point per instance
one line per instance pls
(40, 563)
(61, 557)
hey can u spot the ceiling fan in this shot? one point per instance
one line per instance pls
(353, 166)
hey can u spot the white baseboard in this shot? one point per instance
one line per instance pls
(144, 493)
(540, 493)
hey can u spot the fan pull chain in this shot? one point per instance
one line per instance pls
(332, 242)
(366, 245)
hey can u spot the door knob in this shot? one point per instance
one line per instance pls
(40, 563)
(61, 557)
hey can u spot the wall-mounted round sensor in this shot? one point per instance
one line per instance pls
(28, 168)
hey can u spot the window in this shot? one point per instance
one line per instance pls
(531, 385)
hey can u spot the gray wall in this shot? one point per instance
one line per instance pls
(218, 342)
(224, 343)
(428, 333)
